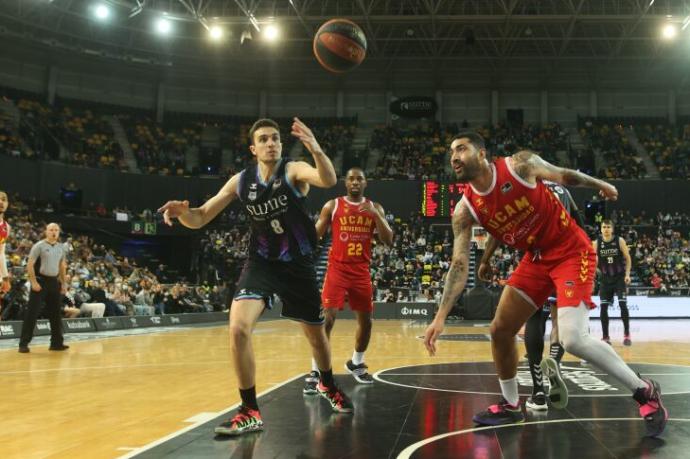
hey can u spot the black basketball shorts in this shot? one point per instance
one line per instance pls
(294, 282)
(613, 286)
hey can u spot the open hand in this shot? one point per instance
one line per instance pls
(304, 134)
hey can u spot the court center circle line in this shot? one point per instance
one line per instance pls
(378, 377)
(408, 451)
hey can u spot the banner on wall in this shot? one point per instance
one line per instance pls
(414, 107)
(649, 306)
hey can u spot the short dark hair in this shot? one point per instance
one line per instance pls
(263, 122)
(607, 222)
(474, 137)
(356, 168)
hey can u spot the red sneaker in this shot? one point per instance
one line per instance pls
(246, 420)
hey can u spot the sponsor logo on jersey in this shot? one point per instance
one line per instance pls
(506, 187)
(252, 195)
(277, 183)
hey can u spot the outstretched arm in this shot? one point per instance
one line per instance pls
(199, 216)
(456, 278)
(324, 220)
(530, 166)
(323, 175)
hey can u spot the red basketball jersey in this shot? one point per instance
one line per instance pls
(352, 231)
(523, 215)
(4, 231)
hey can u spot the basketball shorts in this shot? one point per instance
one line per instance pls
(294, 282)
(347, 281)
(613, 286)
(570, 273)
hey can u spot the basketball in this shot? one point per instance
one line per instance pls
(340, 45)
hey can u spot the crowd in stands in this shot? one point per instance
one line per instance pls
(669, 148)
(621, 159)
(101, 282)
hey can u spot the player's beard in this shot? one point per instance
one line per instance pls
(470, 171)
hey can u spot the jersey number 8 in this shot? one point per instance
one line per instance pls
(275, 224)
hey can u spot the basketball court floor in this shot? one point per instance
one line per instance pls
(160, 392)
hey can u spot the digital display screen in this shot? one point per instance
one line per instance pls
(439, 199)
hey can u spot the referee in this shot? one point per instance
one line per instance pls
(47, 286)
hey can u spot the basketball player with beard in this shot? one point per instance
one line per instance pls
(509, 199)
(273, 192)
(354, 220)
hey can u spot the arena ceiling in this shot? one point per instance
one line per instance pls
(546, 36)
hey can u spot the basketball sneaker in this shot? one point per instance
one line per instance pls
(246, 420)
(337, 398)
(627, 341)
(558, 392)
(500, 414)
(359, 372)
(652, 410)
(310, 383)
(537, 402)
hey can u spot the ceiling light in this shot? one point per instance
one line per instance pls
(163, 26)
(669, 31)
(102, 12)
(270, 32)
(215, 32)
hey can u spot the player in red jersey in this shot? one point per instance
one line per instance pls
(509, 199)
(354, 220)
(4, 234)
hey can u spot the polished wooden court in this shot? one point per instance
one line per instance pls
(106, 397)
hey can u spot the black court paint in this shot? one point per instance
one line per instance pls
(408, 417)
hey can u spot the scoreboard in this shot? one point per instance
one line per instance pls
(439, 199)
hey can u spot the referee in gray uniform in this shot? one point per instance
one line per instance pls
(47, 286)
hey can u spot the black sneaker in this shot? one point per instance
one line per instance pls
(310, 383)
(627, 341)
(359, 372)
(652, 410)
(337, 398)
(246, 420)
(501, 414)
(537, 402)
(62, 347)
(558, 392)
(24, 349)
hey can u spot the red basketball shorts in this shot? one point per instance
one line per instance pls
(347, 280)
(568, 272)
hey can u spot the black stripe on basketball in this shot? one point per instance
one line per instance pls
(331, 61)
(345, 28)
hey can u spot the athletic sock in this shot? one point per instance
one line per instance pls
(357, 357)
(509, 389)
(327, 377)
(556, 352)
(248, 397)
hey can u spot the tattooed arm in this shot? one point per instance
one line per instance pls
(456, 278)
(530, 166)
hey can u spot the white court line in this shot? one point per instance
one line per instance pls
(526, 369)
(378, 377)
(177, 433)
(407, 452)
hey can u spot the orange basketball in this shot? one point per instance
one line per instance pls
(340, 45)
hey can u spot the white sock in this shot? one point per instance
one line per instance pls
(573, 324)
(509, 389)
(314, 366)
(357, 357)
